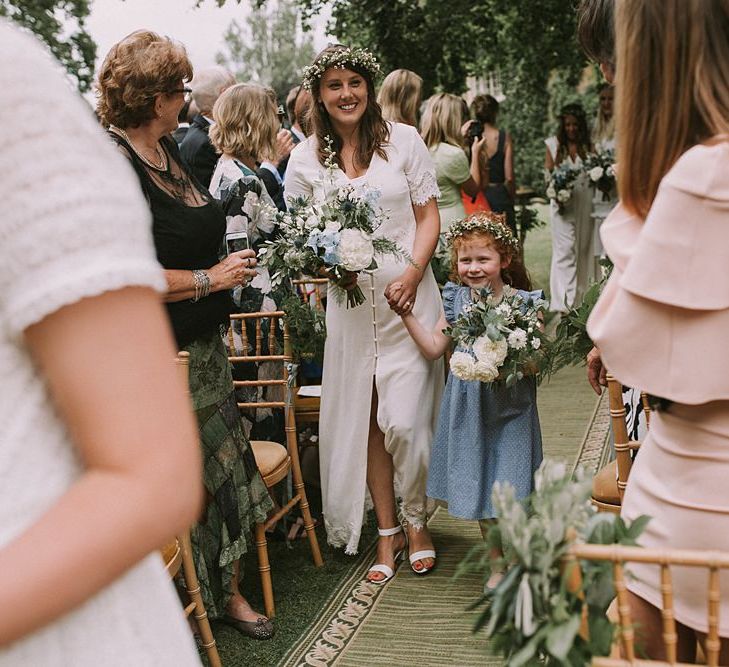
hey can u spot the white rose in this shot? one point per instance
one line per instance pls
(355, 250)
(551, 192)
(517, 339)
(596, 173)
(463, 365)
(563, 196)
(312, 222)
(490, 351)
(536, 343)
(332, 226)
(485, 372)
(611, 170)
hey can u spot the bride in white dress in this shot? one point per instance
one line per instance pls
(380, 396)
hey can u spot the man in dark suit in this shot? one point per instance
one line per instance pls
(197, 151)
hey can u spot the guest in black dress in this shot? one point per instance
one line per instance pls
(500, 152)
(188, 227)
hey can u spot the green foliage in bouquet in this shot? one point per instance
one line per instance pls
(441, 261)
(533, 617)
(572, 342)
(307, 327)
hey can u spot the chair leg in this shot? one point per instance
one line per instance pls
(192, 586)
(304, 502)
(264, 567)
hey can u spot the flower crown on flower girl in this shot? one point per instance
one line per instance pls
(494, 224)
(340, 58)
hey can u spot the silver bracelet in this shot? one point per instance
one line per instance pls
(202, 284)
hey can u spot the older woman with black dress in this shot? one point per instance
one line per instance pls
(141, 91)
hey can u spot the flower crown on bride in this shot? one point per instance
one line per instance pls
(494, 224)
(342, 58)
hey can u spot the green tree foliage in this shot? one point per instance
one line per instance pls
(270, 48)
(61, 24)
(530, 44)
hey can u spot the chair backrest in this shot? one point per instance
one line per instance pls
(312, 291)
(712, 561)
(273, 346)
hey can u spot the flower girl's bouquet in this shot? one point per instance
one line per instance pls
(561, 183)
(600, 167)
(335, 235)
(499, 341)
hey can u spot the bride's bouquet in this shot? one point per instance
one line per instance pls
(499, 341)
(600, 167)
(335, 235)
(561, 183)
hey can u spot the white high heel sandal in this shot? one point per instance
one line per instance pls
(381, 567)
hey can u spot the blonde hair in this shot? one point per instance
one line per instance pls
(136, 70)
(399, 96)
(442, 120)
(246, 122)
(673, 87)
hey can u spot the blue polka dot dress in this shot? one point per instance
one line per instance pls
(485, 434)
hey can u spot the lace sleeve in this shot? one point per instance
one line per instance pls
(420, 171)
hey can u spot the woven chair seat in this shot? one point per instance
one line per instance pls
(605, 485)
(272, 460)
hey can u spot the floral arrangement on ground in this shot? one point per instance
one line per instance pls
(499, 340)
(533, 616)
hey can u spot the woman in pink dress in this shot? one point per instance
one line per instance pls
(661, 322)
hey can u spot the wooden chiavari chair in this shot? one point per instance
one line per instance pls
(712, 561)
(608, 487)
(177, 557)
(274, 460)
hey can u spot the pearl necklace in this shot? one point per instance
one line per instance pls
(162, 166)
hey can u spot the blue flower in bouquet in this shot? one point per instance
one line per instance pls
(326, 240)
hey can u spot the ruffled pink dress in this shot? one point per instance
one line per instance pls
(662, 324)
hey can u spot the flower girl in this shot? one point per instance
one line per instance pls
(487, 432)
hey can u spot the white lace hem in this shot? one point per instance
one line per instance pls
(343, 536)
(425, 189)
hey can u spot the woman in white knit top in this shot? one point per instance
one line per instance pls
(96, 429)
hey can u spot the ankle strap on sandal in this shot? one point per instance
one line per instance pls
(386, 532)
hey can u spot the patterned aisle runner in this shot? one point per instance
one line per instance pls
(423, 620)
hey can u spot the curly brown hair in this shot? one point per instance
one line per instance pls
(136, 70)
(373, 130)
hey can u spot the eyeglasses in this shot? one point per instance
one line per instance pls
(184, 91)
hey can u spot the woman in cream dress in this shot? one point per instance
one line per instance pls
(572, 235)
(662, 319)
(380, 396)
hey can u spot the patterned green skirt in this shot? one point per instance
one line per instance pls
(237, 496)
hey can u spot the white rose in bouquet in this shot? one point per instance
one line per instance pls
(332, 226)
(551, 192)
(596, 174)
(518, 339)
(355, 250)
(312, 222)
(563, 196)
(490, 351)
(611, 171)
(485, 372)
(463, 365)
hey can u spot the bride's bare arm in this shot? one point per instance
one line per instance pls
(109, 365)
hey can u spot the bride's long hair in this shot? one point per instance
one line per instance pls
(373, 130)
